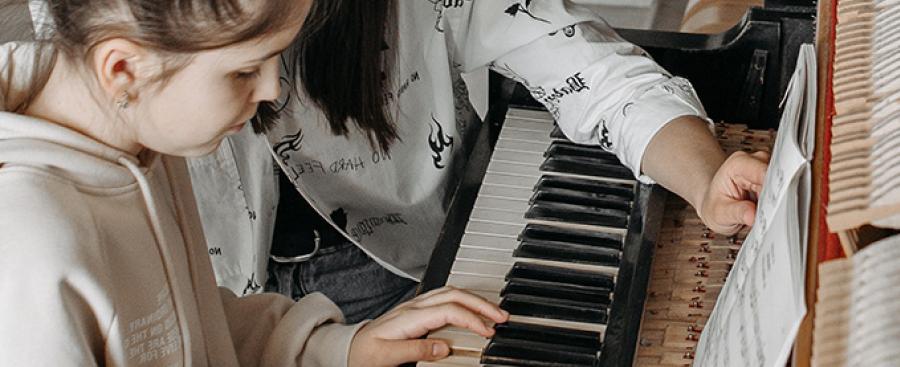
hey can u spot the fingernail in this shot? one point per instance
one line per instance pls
(438, 349)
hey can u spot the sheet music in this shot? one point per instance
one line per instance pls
(761, 305)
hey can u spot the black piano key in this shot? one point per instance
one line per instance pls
(625, 191)
(568, 252)
(577, 214)
(562, 275)
(529, 354)
(585, 167)
(541, 232)
(569, 149)
(580, 197)
(584, 340)
(555, 308)
(541, 288)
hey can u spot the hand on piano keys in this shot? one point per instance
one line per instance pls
(393, 338)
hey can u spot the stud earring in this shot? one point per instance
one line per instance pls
(122, 101)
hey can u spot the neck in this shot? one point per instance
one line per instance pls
(68, 100)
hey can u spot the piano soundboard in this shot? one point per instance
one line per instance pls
(562, 236)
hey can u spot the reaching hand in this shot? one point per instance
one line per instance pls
(392, 339)
(730, 200)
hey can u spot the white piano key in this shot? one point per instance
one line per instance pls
(476, 283)
(529, 124)
(600, 329)
(478, 254)
(525, 146)
(594, 178)
(499, 216)
(486, 241)
(481, 268)
(454, 360)
(515, 156)
(541, 137)
(531, 172)
(492, 297)
(524, 114)
(501, 203)
(587, 227)
(478, 226)
(461, 341)
(495, 178)
(500, 263)
(505, 191)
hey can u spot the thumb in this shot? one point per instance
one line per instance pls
(405, 351)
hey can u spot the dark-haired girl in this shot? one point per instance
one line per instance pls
(371, 151)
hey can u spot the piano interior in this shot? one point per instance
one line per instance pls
(599, 270)
(595, 268)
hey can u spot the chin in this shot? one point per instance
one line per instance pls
(197, 151)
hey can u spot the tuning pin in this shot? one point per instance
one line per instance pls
(732, 254)
(699, 289)
(701, 273)
(691, 337)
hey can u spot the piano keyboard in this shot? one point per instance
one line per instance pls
(546, 240)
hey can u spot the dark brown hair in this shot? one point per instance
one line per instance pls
(344, 65)
(174, 28)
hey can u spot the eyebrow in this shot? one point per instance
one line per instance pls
(270, 55)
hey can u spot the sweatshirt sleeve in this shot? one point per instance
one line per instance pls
(54, 308)
(600, 89)
(272, 330)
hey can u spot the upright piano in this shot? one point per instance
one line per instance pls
(560, 234)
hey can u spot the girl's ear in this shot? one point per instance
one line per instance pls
(118, 65)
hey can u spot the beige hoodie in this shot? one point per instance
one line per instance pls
(102, 263)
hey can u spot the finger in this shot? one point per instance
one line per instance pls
(747, 172)
(738, 213)
(762, 155)
(469, 300)
(404, 351)
(418, 298)
(413, 323)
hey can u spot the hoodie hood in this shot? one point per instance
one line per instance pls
(29, 141)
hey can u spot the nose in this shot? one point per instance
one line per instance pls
(268, 86)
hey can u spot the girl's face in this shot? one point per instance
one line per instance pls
(212, 97)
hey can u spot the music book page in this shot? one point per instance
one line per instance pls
(761, 305)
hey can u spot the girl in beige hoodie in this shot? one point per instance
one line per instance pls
(101, 257)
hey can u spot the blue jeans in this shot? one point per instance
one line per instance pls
(350, 278)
